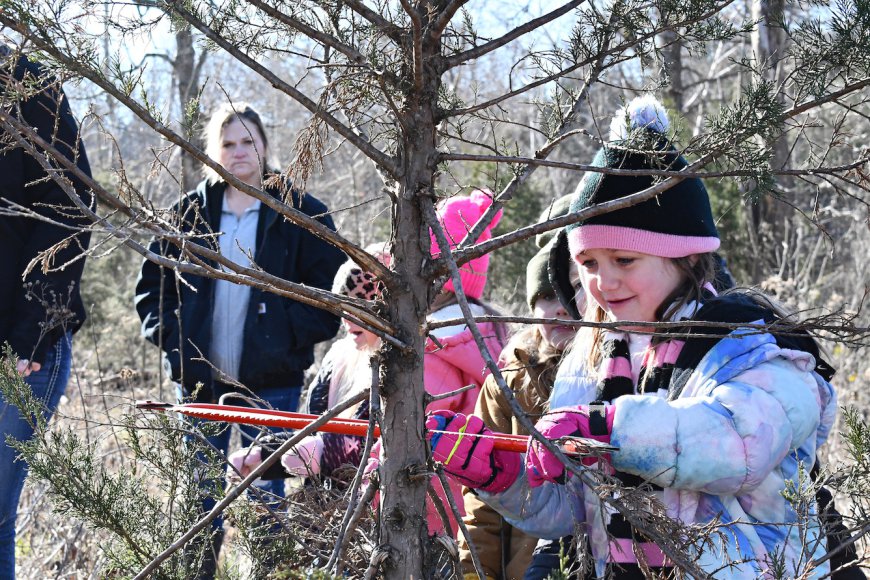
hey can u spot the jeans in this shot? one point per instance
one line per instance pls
(48, 384)
(279, 398)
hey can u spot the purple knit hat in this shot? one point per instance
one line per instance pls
(458, 215)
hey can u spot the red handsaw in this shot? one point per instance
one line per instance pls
(341, 426)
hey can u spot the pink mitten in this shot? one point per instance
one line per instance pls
(303, 459)
(469, 458)
(543, 466)
(246, 459)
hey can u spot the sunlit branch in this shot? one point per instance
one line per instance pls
(443, 19)
(312, 33)
(384, 25)
(226, 270)
(478, 51)
(600, 55)
(299, 218)
(359, 142)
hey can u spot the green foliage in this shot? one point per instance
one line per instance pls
(830, 47)
(739, 136)
(160, 481)
(857, 439)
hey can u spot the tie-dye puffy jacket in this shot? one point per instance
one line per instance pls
(745, 426)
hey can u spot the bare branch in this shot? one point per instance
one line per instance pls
(835, 327)
(479, 51)
(312, 33)
(359, 142)
(356, 253)
(451, 501)
(353, 515)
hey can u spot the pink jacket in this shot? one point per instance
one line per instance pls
(453, 365)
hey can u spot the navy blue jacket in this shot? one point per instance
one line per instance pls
(37, 310)
(279, 333)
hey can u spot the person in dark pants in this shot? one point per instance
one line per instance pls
(248, 336)
(39, 310)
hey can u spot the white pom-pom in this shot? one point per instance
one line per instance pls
(642, 112)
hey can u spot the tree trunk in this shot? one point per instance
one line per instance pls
(673, 65)
(403, 393)
(769, 48)
(186, 73)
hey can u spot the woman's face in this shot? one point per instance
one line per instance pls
(628, 285)
(558, 335)
(242, 151)
(361, 337)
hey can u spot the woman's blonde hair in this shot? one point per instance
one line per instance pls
(213, 133)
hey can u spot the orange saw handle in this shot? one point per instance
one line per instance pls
(341, 426)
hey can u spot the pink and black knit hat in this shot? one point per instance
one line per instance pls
(458, 215)
(674, 224)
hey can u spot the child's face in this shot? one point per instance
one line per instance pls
(361, 337)
(628, 285)
(559, 335)
(577, 285)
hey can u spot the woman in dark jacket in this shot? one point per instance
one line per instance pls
(216, 333)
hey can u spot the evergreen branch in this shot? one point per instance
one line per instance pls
(384, 25)
(813, 103)
(540, 161)
(523, 173)
(483, 49)
(326, 39)
(738, 135)
(255, 474)
(600, 55)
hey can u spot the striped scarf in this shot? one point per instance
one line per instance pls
(614, 375)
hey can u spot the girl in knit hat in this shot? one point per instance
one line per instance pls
(721, 428)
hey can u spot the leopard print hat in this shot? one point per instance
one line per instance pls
(353, 281)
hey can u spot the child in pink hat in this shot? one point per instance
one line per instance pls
(454, 361)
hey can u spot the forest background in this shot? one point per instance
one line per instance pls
(784, 84)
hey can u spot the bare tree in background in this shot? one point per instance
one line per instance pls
(374, 83)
